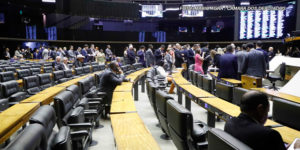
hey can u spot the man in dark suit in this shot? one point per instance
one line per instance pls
(159, 54)
(191, 55)
(259, 45)
(249, 127)
(228, 64)
(255, 64)
(131, 55)
(149, 56)
(108, 82)
(79, 62)
(57, 64)
(178, 57)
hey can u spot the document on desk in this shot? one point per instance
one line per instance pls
(293, 86)
(293, 145)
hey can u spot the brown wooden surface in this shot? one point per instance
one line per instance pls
(124, 87)
(14, 118)
(288, 134)
(131, 134)
(229, 80)
(249, 82)
(278, 94)
(195, 91)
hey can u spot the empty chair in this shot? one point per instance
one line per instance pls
(218, 139)
(45, 80)
(98, 79)
(95, 68)
(13, 69)
(86, 69)
(87, 63)
(48, 64)
(78, 71)
(31, 138)
(286, 112)
(48, 69)
(161, 105)
(17, 66)
(94, 63)
(195, 78)
(207, 84)
(23, 73)
(152, 96)
(224, 91)
(200, 80)
(68, 74)
(3, 104)
(31, 84)
(190, 70)
(25, 67)
(185, 133)
(7, 76)
(35, 71)
(102, 67)
(36, 66)
(11, 91)
(59, 76)
(238, 93)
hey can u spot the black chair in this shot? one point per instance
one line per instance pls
(68, 74)
(64, 139)
(94, 63)
(31, 85)
(17, 66)
(25, 67)
(4, 104)
(200, 80)
(224, 91)
(86, 69)
(7, 76)
(31, 138)
(98, 79)
(95, 68)
(190, 71)
(152, 96)
(11, 91)
(59, 76)
(74, 118)
(87, 63)
(195, 78)
(102, 67)
(185, 133)
(286, 112)
(48, 64)
(23, 73)
(273, 78)
(48, 69)
(13, 69)
(207, 84)
(218, 139)
(238, 93)
(45, 80)
(35, 71)
(78, 71)
(161, 105)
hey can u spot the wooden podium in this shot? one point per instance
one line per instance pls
(249, 82)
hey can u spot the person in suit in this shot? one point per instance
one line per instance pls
(65, 64)
(228, 64)
(57, 65)
(249, 127)
(7, 54)
(110, 78)
(35, 54)
(159, 54)
(178, 56)
(259, 46)
(168, 60)
(205, 49)
(255, 64)
(131, 55)
(108, 53)
(191, 55)
(79, 62)
(91, 53)
(141, 55)
(149, 56)
(84, 52)
(271, 53)
(216, 58)
(241, 57)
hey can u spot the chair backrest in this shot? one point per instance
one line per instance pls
(7, 76)
(78, 71)
(63, 139)
(48, 69)
(8, 88)
(46, 117)
(25, 67)
(95, 68)
(98, 79)
(195, 78)
(31, 82)
(23, 73)
(36, 66)
(86, 69)
(32, 138)
(68, 73)
(94, 63)
(4, 104)
(45, 80)
(224, 91)
(207, 84)
(13, 69)
(58, 75)
(200, 80)
(286, 112)
(180, 122)
(238, 93)
(218, 139)
(35, 71)
(161, 101)
(102, 67)
(84, 86)
(17, 66)
(75, 91)
(282, 70)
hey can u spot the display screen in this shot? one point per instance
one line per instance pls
(152, 11)
(2, 18)
(267, 24)
(191, 10)
(182, 29)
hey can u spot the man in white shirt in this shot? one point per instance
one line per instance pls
(65, 64)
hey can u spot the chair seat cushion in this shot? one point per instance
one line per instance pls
(17, 97)
(274, 77)
(199, 132)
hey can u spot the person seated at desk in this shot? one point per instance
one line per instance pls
(110, 79)
(65, 64)
(249, 127)
(79, 62)
(228, 64)
(57, 64)
(161, 72)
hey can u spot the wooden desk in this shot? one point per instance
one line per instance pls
(195, 91)
(122, 105)
(288, 134)
(226, 80)
(20, 82)
(124, 87)
(45, 97)
(278, 94)
(131, 134)
(180, 81)
(14, 118)
(121, 96)
(214, 74)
